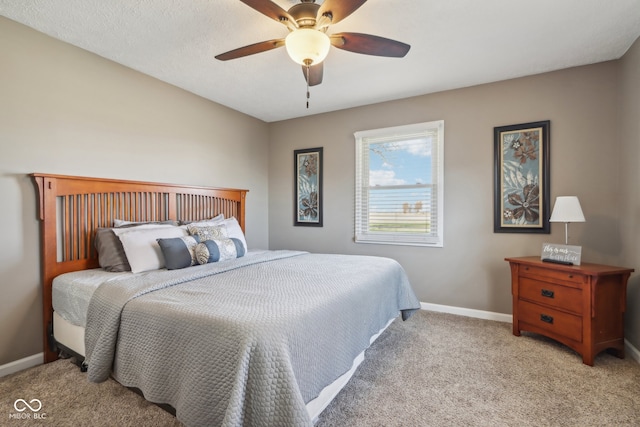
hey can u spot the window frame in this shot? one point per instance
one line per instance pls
(362, 233)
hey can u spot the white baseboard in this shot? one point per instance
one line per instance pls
(21, 364)
(469, 312)
(630, 350)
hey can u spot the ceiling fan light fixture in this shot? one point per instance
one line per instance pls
(307, 46)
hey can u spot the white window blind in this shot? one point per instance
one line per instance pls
(399, 185)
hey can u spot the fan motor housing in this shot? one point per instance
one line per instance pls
(304, 14)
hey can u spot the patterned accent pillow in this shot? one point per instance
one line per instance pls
(209, 232)
(218, 250)
(179, 252)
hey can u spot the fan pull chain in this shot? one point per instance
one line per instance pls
(308, 94)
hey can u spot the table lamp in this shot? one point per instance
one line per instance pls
(567, 209)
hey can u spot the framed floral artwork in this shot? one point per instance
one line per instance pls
(308, 187)
(521, 167)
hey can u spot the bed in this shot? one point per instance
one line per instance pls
(249, 338)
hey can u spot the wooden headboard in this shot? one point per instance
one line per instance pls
(72, 208)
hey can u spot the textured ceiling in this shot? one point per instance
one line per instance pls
(454, 43)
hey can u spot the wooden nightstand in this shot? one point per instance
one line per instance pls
(580, 306)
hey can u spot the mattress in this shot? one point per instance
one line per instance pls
(71, 292)
(70, 296)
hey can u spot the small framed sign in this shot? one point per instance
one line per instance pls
(564, 254)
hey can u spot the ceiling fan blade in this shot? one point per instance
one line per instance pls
(369, 45)
(315, 74)
(339, 9)
(272, 10)
(251, 49)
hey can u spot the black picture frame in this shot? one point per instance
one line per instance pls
(521, 178)
(308, 199)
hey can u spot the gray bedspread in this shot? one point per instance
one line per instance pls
(245, 342)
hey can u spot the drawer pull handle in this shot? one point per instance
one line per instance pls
(547, 293)
(571, 276)
(546, 318)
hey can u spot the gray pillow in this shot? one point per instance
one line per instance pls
(179, 252)
(111, 256)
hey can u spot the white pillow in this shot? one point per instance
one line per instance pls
(142, 249)
(216, 220)
(234, 230)
(122, 223)
(118, 231)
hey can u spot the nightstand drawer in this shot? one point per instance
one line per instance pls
(551, 320)
(563, 297)
(554, 275)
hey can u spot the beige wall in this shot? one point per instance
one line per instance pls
(629, 190)
(66, 111)
(470, 270)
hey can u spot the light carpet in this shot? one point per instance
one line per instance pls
(435, 369)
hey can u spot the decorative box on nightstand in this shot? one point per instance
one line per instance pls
(581, 306)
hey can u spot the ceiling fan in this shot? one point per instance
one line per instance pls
(308, 42)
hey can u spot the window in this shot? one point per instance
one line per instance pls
(399, 185)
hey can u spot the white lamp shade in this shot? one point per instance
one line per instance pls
(307, 46)
(567, 209)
